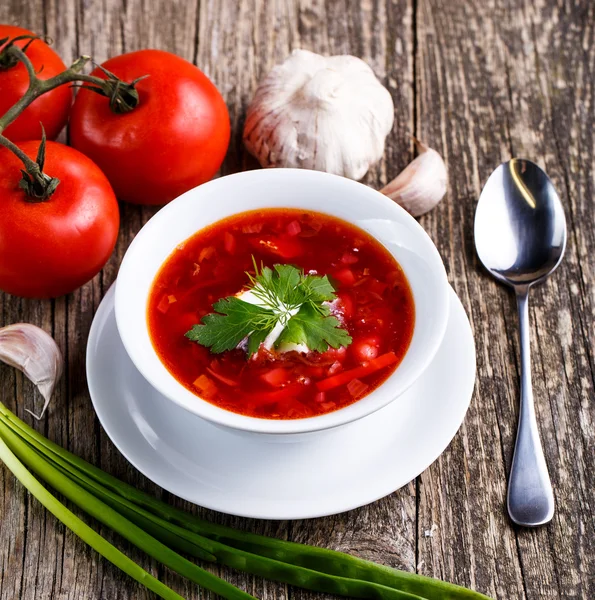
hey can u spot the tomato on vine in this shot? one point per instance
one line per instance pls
(173, 139)
(54, 236)
(51, 109)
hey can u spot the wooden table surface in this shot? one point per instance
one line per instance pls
(479, 80)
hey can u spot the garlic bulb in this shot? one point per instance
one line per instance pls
(324, 113)
(422, 184)
(35, 353)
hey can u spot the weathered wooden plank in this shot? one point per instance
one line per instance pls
(489, 77)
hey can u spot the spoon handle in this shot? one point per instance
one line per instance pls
(530, 494)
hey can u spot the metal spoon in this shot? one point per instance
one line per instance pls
(520, 236)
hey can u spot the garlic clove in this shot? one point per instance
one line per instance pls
(328, 113)
(34, 352)
(422, 184)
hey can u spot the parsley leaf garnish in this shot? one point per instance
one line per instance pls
(287, 299)
(309, 326)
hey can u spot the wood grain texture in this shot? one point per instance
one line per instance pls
(478, 80)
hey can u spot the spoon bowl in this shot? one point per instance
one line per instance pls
(520, 237)
(520, 228)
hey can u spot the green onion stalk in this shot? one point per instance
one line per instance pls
(165, 533)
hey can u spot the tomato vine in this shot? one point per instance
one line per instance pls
(122, 96)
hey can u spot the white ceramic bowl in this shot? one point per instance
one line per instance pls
(288, 188)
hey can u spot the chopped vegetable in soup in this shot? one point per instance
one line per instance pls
(281, 314)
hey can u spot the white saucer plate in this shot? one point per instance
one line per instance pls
(323, 474)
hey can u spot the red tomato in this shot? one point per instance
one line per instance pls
(52, 247)
(365, 349)
(51, 109)
(174, 140)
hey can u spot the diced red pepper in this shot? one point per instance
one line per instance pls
(342, 378)
(229, 242)
(163, 305)
(293, 228)
(276, 377)
(345, 276)
(356, 388)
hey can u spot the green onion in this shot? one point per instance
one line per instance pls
(106, 515)
(188, 541)
(81, 529)
(298, 564)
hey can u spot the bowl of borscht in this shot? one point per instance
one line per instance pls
(282, 301)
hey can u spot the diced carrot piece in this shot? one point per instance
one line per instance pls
(356, 388)
(171, 299)
(345, 276)
(349, 258)
(343, 378)
(163, 305)
(205, 386)
(294, 228)
(229, 242)
(276, 377)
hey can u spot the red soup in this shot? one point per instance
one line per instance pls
(368, 314)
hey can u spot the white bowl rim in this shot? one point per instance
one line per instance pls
(228, 419)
